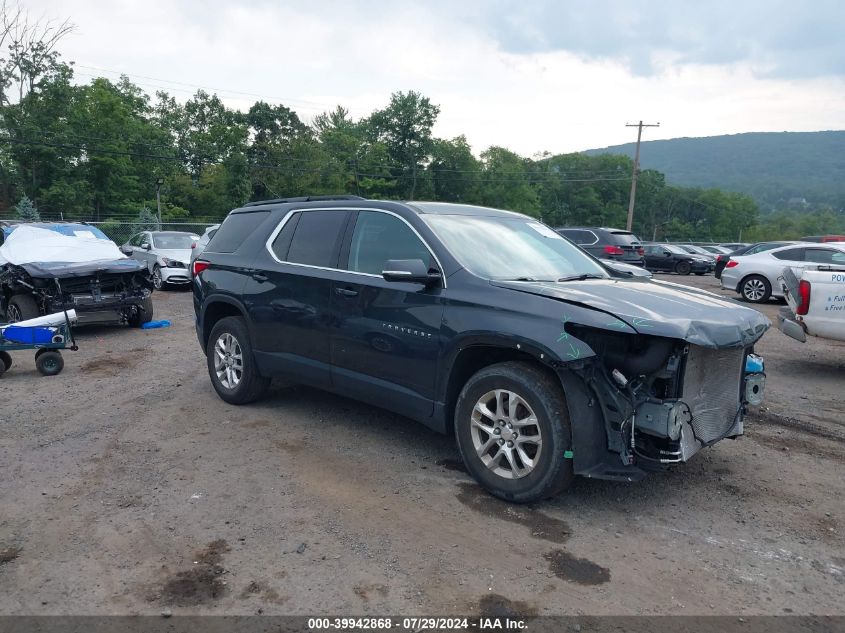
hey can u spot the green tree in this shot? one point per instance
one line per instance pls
(146, 221)
(404, 127)
(26, 210)
(506, 182)
(455, 172)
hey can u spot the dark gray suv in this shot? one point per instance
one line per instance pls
(614, 244)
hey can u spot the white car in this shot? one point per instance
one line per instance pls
(755, 277)
(199, 247)
(166, 253)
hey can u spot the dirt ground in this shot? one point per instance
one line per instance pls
(129, 487)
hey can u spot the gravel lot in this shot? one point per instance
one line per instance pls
(129, 487)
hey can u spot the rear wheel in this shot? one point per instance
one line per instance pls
(512, 427)
(49, 363)
(755, 289)
(21, 307)
(231, 365)
(683, 268)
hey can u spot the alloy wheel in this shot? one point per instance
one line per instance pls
(754, 289)
(13, 314)
(157, 282)
(228, 360)
(505, 434)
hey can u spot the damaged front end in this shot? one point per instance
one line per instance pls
(660, 400)
(114, 292)
(652, 371)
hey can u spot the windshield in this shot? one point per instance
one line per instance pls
(511, 248)
(678, 250)
(174, 241)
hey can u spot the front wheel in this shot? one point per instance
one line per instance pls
(158, 282)
(513, 431)
(142, 314)
(231, 365)
(21, 308)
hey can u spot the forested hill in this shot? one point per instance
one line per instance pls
(773, 167)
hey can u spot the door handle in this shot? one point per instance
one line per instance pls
(259, 276)
(346, 292)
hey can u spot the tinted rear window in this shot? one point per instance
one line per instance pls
(580, 236)
(315, 238)
(234, 230)
(623, 238)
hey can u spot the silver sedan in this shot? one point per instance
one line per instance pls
(166, 253)
(755, 277)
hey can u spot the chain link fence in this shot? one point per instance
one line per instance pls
(120, 232)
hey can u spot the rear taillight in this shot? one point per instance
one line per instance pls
(732, 263)
(198, 266)
(804, 294)
(613, 250)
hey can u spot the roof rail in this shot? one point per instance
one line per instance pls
(303, 199)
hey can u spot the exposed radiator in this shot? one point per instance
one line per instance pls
(713, 381)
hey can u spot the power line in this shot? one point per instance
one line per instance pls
(206, 88)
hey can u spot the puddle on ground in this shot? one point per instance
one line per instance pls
(365, 591)
(452, 464)
(567, 567)
(8, 554)
(495, 606)
(203, 582)
(542, 526)
(256, 424)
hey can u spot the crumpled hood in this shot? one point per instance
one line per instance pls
(659, 308)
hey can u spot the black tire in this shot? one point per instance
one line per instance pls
(251, 385)
(683, 268)
(144, 315)
(5, 361)
(544, 395)
(49, 362)
(700, 274)
(21, 307)
(158, 282)
(755, 289)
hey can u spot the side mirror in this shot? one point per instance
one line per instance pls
(667, 253)
(410, 270)
(146, 246)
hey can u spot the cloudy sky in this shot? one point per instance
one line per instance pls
(530, 75)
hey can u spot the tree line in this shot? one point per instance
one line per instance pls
(99, 151)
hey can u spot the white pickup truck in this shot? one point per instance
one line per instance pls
(816, 303)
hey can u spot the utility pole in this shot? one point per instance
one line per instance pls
(639, 127)
(159, 183)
